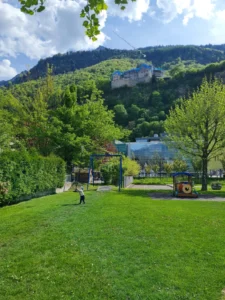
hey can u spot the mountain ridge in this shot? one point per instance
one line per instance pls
(158, 55)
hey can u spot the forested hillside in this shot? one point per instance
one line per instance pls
(159, 56)
(141, 109)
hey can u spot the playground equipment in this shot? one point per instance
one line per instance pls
(91, 168)
(183, 188)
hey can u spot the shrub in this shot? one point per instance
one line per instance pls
(110, 170)
(23, 174)
(106, 171)
(131, 167)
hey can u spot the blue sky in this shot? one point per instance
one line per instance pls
(25, 39)
(152, 32)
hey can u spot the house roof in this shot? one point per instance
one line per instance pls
(182, 173)
(142, 66)
(117, 72)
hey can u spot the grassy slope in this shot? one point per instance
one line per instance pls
(117, 246)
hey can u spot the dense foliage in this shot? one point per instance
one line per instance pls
(70, 122)
(141, 109)
(23, 174)
(110, 170)
(196, 125)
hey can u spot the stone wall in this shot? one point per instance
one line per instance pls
(129, 82)
(65, 188)
(128, 180)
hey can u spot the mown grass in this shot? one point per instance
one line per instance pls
(117, 246)
(153, 180)
(169, 180)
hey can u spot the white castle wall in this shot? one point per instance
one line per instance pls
(132, 79)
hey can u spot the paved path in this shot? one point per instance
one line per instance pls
(166, 196)
(163, 196)
(104, 188)
(150, 187)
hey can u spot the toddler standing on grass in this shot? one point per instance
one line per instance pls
(82, 196)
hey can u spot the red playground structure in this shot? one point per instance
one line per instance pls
(183, 188)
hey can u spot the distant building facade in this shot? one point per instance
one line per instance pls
(142, 74)
(144, 149)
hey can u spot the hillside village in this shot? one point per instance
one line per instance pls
(141, 74)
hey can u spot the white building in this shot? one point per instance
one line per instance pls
(142, 74)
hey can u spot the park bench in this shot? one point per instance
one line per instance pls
(216, 186)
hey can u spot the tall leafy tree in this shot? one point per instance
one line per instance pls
(5, 133)
(83, 128)
(120, 114)
(196, 126)
(133, 111)
(39, 129)
(12, 115)
(168, 167)
(179, 165)
(197, 165)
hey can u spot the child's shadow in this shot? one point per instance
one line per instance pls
(71, 204)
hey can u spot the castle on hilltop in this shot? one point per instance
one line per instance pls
(141, 74)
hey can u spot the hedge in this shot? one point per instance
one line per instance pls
(23, 175)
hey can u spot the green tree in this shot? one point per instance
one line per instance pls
(110, 169)
(70, 96)
(12, 116)
(168, 167)
(155, 168)
(156, 127)
(222, 160)
(156, 162)
(162, 115)
(37, 130)
(133, 112)
(120, 114)
(5, 133)
(83, 129)
(179, 165)
(178, 68)
(131, 167)
(156, 100)
(148, 168)
(197, 165)
(196, 126)
(145, 129)
(48, 87)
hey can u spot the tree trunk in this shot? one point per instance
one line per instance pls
(204, 173)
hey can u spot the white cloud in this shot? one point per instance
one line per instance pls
(57, 29)
(6, 71)
(217, 28)
(134, 10)
(170, 9)
(187, 17)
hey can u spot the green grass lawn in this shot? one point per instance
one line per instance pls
(169, 180)
(153, 180)
(117, 246)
